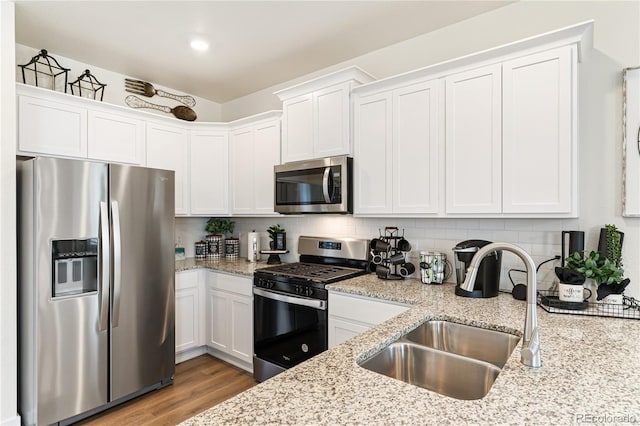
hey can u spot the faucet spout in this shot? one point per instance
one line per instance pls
(530, 353)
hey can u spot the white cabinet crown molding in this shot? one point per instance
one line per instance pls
(352, 73)
(255, 119)
(580, 34)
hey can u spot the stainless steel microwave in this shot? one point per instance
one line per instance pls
(314, 186)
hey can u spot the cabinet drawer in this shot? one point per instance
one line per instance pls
(186, 279)
(231, 283)
(362, 309)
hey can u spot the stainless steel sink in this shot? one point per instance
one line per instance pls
(442, 372)
(474, 342)
(452, 359)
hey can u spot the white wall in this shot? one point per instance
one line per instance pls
(8, 288)
(114, 92)
(616, 46)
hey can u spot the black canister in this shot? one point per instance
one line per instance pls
(488, 278)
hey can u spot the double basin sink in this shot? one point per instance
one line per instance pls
(452, 359)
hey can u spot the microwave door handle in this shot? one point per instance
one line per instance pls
(105, 265)
(325, 185)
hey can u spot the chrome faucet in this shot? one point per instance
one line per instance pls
(530, 353)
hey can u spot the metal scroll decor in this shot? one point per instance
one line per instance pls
(143, 88)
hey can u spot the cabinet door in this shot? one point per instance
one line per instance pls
(209, 172)
(116, 138)
(331, 121)
(188, 311)
(242, 171)
(416, 144)
(297, 133)
(187, 327)
(539, 132)
(241, 321)
(52, 128)
(341, 330)
(167, 148)
(473, 141)
(218, 319)
(372, 159)
(266, 154)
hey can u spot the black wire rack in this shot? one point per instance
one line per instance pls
(549, 301)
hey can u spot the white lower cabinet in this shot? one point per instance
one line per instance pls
(350, 315)
(229, 318)
(188, 313)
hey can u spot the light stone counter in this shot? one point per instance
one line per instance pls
(591, 368)
(238, 266)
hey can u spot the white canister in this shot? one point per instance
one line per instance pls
(253, 246)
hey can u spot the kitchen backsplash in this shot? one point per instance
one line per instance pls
(539, 237)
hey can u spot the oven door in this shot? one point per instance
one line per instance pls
(287, 330)
(316, 186)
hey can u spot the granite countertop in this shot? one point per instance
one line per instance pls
(590, 369)
(239, 266)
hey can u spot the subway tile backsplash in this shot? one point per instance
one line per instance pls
(539, 237)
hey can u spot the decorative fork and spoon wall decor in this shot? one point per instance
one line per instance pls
(183, 112)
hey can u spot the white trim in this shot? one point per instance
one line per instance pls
(353, 73)
(580, 34)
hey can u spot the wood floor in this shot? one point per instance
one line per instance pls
(199, 384)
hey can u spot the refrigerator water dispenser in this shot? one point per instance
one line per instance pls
(75, 266)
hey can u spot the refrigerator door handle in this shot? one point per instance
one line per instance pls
(117, 262)
(105, 263)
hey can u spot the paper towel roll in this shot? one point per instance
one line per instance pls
(253, 246)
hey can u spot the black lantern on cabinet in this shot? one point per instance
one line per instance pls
(44, 70)
(87, 86)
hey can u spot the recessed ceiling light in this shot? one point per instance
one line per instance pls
(199, 45)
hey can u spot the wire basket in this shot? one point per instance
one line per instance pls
(549, 301)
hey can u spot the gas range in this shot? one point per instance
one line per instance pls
(322, 261)
(290, 316)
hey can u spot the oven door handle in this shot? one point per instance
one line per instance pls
(312, 303)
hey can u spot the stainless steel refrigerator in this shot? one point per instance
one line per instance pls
(96, 286)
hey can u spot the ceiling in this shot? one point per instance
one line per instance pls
(253, 44)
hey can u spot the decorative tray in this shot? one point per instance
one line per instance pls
(549, 301)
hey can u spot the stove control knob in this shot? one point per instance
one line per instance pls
(309, 291)
(271, 284)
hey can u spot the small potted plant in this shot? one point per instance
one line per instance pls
(278, 237)
(218, 229)
(608, 276)
(218, 226)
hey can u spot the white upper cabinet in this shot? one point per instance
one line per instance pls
(539, 133)
(372, 154)
(316, 116)
(254, 151)
(474, 141)
(116, 138)
(416, 144)
(51, 127)
(397, 143)
(209, 172)
(57, 124)
(168, 148)
(297, 133)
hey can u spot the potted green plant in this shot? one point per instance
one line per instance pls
(278, 237)
(219, 226)
(608, 276)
